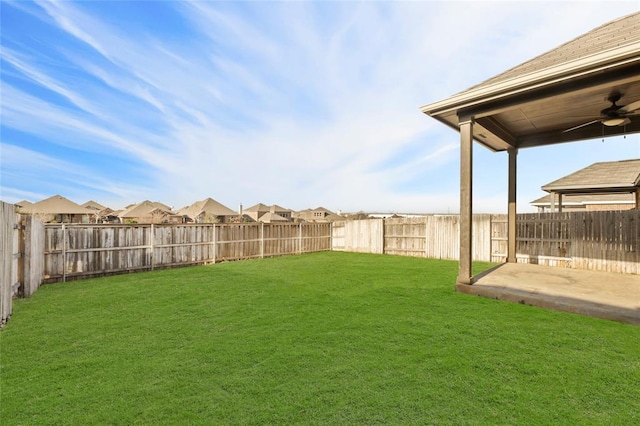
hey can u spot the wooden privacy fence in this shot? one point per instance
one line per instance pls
(83, 250)
(606, 241)
(433, 236)
(9, 221)
(21, 257)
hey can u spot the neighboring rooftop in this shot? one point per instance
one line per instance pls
(56, 204)
(93, 205)
(611, 176)
(208, 206)
(143, 209)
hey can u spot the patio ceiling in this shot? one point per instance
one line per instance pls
(535, 103)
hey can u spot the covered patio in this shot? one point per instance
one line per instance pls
(587, 88)
(598, 294)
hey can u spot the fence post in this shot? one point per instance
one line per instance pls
(261, 240)
(330, 236)
(426, 237)
(384, 233)
(300, 238)
(33, 258)
(151, 237)
(213, 239)
(64, 254)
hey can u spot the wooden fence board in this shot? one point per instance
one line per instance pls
(600, 241)
(337, 236)
(82, 250)
(405, 237)
(8, 259)
(34, 236)
(364, 236)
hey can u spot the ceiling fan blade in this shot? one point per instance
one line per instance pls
(581, 125)
(625, 122)
(631, 107)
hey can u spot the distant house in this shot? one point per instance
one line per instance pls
(208, 211)
(149, 212)
(319, 214)
(613, 185)
(93, 206)
(268, 214)
(23, 206)
(100, 213)
(56, 209)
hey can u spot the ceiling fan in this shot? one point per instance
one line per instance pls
(614, 115)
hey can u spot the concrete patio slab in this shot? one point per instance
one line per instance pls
(599, 294)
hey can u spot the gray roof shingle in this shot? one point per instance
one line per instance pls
(609, 36)
(600, 177)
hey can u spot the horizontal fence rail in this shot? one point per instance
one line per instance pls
(74, 251)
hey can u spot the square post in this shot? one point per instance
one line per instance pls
(466, 202)
(559, 202)
(511, 212)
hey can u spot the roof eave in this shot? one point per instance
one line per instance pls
(619, 187)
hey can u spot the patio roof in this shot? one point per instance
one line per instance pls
(568, 94)
(535, 103)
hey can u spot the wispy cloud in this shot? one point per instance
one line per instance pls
(300, 104)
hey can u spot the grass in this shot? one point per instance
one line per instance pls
(325, 338)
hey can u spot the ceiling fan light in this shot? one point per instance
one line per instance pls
(614, 121)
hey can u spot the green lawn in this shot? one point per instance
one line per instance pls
(324, 338)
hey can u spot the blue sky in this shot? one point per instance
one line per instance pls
(301, 104)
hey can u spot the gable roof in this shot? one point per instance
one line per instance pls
(257, 208)
(612, 176)
(56, 204)
(143, 209)
(206, 206)
(535, 103)
(24, 204)
(92, 205)
(277, 208)
(272, 217)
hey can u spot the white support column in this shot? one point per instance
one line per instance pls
(511, 215)
(552, 203)
(466, 202)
